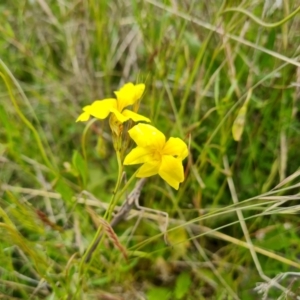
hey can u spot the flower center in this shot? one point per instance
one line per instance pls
(156, 154)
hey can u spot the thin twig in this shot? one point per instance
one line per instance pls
(131, 199)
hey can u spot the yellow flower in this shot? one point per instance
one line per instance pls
(126, 96)
(157, 155)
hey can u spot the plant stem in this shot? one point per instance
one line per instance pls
(114, 199)
(97, 238)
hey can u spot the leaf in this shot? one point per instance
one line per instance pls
(183, 284)
(8, 30)
(276, 244)
(63, 189)
(3, 148)
(179, 240)
(239, 122)
(156, 293)
(80, 166)
(101, 147)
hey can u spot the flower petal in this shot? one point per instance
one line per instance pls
(176, 147)
(137, 155)
(85, 115)
(129, 94)
(101, 108)
(171, 170)
(120, 117)
(148, 169)
(134, 116)
(146, 135)
(139, 90)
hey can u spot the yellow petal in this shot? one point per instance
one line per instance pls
(146, 135)
(148, 169)
(84, 116)
(171, 170)
(120, 117)
(101, 108)
(129, 94)
(137, 155)
(176, 147)
(134, 116)
(139, 90)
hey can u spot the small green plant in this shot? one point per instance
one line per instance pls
(157, 155)
(79, 216)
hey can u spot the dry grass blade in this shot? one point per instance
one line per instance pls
(201, 63)
(109, 231)
(246, 231)
(287, 180)
(221, 32)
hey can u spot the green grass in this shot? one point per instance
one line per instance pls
(233, 223)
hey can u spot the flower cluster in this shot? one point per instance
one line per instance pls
(157, 155)
(126, 96)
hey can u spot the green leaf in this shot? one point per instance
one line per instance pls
(80, 166)
(63, 188)
(156, 293)
(183, 284)
(239, 122)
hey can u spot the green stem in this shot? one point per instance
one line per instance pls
(121, 193)
(97, 238)
(259, 21)
(87, 257)
(114, 199)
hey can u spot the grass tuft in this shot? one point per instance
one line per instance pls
(223, 76)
